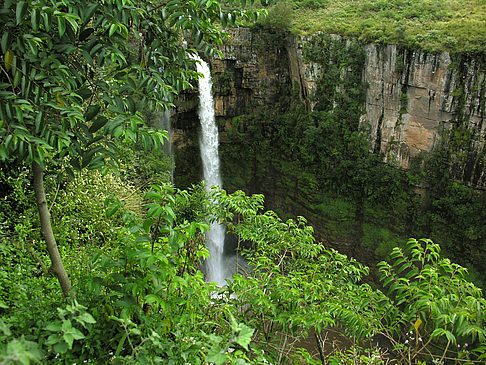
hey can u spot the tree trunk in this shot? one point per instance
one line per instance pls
(46, 229)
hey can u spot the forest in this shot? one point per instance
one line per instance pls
(101, 245)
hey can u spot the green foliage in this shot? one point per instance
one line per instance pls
(21, 351)
(382, 239)
(279, 17)
(144, 168)
(78, 209)
(357, 355)
(311, 4)
(431, 302)
(337, 209)
(74, 82)
(339, 77)
(62, 333)
(403, 103)
(144, 300)
(455, 26)
(294, 284)
(15, 196)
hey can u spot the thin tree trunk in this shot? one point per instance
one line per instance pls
(46, 229)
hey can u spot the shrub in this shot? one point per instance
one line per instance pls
(431, 303)
(279, 17)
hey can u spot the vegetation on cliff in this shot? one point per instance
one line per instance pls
(433, 25)
(318, 164)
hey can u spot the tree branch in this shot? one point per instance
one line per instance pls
(46, 230)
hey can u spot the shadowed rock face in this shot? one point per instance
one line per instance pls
(411, 107)
(413, 101)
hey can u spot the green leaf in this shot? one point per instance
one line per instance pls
(8, 59)
(450, 337)
(20, 11)
(198, 38)
(88, 12)
(215, 356)
(61, 347)
(69, 338)
(155, 210)
(112, 209)
(113, 29)
(35, 19)
(77, 334)
(142, 238)
(17, 78)
(52, 339)
(61, 26)
(152, 298)
(53, 326)
(73, 23)
(131, 105)
(5, 42)
(91, 112)
(120, 344)
(66, 325)
(147, 224)
(98, 123)
(84, 318)
(244, 337)
(119, 104)
(47, 20)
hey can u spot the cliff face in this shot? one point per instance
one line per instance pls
(417, 99)
(249, 73)
(414, 100)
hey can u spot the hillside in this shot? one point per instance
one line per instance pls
(434, 25)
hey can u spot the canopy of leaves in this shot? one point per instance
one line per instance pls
(76, 75)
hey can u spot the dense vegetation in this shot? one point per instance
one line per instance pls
(135, 302)
(319, 164)
(141, 299)
(97, 267)
(434, 25)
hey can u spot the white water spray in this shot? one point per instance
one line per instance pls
(215, 265)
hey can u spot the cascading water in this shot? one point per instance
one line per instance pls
(215, 265)
(165, 121)
(162, 122)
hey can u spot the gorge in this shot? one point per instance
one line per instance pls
(349, 137)
(412, 96)
(420, 113)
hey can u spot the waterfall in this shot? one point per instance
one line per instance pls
(165, 123)
(214, 265)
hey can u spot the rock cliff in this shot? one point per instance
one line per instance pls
(414, 100)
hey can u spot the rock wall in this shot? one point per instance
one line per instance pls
(414, 100)
(249, 73)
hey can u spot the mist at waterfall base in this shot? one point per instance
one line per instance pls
(219, 267)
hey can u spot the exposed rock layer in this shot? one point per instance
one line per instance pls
(414, 99)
